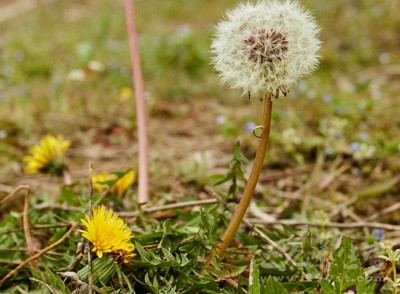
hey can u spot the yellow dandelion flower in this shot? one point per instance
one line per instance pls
(48, 156)
(126, 256)
(108, 233)
(125, 93)
(123, 183)
(99, 181)
(120, 185)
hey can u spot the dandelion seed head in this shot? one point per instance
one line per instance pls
(265, 47)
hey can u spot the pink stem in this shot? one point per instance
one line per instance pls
(143, 194)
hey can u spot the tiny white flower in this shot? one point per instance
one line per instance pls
(364, 152)
(76, 75)
(95, 65)
(3, 134)
(290, 136)
(333, 127)
(266, 47)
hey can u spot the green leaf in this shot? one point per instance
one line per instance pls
(152, 285)
(145, 255)
(235, 173)
(226, 271)
(225, 178)
(103, 269)
(149, 238)
(327, 288)
(128, 283)
(273, 286)
(378, 189)
(51, 279)
(238, 156)
(346, 270)
(301, 286)
(254, 281)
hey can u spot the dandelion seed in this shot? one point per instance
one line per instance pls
(108, 233)
(48, 156)
(266, 47)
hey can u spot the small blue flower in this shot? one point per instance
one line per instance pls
(354, 146)
(249, 127)
(356, 171)
(329, 152)
(337, 135)
(363, 136)
(326, 98)
(303, 86)
(220, 119)
(339, 110)
(377, 234)
(361, 106)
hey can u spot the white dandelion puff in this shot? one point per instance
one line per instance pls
(266, 47)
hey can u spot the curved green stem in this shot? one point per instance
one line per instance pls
(251, 183)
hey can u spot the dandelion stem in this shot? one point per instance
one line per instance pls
(89, 246)
(143, 194)
(394, 286)
(251, 183)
